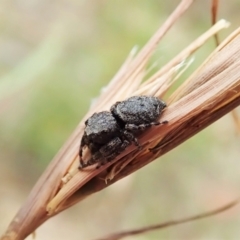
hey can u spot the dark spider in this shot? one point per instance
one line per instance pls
(107, 134)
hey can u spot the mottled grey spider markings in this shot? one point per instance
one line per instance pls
(108, 133)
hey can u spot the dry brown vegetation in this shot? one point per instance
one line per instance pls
(209, 93)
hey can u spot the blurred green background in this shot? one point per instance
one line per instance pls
(55, 56)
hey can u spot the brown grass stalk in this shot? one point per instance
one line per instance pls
(205, 104)
(211, 92)
(172, 223)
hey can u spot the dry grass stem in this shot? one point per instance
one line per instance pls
(189, 115)
(182, 56)
(210, 67)
(78, 179)
(121, 235)
(209, 94)
(215, 4)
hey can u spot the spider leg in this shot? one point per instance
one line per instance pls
(129, 136)
(121, 146)
(106, 153)
(138, 128)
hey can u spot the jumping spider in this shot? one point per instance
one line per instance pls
(107, 134)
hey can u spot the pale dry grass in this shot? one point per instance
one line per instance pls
(212, 91)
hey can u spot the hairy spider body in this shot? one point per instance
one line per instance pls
(107, 134)
(138, 112)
